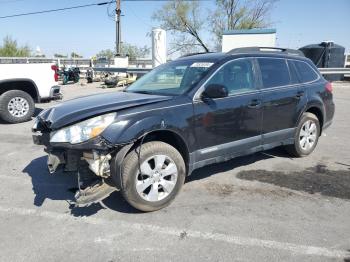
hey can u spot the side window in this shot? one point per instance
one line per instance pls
(306, 73)
(237, 76)
(274, 72)
(293, 73)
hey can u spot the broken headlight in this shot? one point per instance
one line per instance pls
(84, 130)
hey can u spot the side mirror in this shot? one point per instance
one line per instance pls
(215, 91)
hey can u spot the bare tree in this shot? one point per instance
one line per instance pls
(240, 14)
(185, 21)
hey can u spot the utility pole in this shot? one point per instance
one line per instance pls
(118, 31)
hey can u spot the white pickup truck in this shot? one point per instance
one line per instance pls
(22, 85)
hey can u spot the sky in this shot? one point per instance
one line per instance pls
(89, 30)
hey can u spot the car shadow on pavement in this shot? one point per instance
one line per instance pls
(213, 169)
(49, 186)
(318, 179)
(62, 186)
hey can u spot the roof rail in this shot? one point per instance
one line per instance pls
(191, 54)
(265, 49)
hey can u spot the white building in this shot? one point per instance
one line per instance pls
(250, 37)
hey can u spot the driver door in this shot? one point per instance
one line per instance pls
(229, 125)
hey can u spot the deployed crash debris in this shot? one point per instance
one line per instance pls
(94, 193)
(120, 81)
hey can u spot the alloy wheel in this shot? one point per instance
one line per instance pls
(157, 178)
(18, 107)
(308, 135)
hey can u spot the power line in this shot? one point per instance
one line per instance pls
(55, 10)
(111, 15)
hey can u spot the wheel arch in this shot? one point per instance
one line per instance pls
(151, 128)
(172, 138)
(318, 111)
(164, 135)
(23, 84)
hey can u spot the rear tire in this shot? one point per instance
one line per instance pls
(306, 136)
(16, 106)
(160, 183)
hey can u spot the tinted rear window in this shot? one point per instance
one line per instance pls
(274, 72)
(306, 73)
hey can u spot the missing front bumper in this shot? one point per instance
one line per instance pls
(91, 188)
(89, 161)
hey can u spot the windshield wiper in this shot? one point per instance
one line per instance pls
(142, 92)
(151, 93)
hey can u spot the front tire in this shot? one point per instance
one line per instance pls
(306, 136)
(16, 106)
(163, 174)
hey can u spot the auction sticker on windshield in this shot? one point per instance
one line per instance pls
(202, 64)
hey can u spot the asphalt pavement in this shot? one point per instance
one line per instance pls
(263, 207)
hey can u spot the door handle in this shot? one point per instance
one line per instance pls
(255, 103)
(300, 94)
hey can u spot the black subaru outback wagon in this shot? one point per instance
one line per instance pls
(197, 110)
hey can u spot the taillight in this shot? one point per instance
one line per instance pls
(329, 87)
(55, 68)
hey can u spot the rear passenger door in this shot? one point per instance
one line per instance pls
(282, 100)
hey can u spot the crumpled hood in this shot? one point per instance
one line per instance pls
(77, 109)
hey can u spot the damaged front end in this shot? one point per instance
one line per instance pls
(92, 169)
(90, 160)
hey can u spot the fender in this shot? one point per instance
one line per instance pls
(126, 131)
(127, 137)
(313, 103)
(11, 80)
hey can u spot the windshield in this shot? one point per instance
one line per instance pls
(172, 78)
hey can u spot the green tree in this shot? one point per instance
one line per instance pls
(60, 56)
(134, 51)
(107, 53)
(10, 48)
(75, 55)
